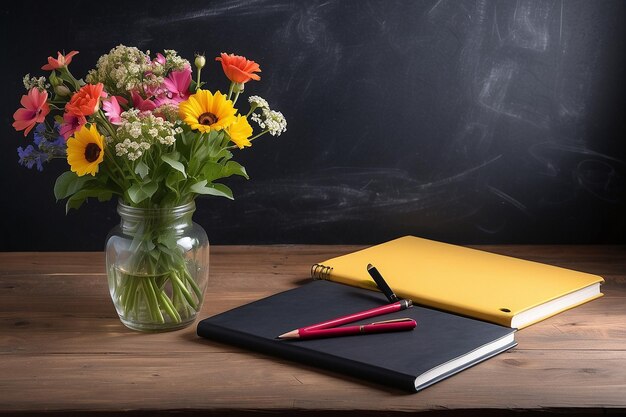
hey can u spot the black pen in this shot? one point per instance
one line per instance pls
(382, 285)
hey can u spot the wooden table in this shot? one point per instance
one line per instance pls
(63, 349)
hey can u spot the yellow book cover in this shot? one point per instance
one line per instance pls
(496, 288)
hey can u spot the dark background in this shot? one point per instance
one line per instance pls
(464, 121)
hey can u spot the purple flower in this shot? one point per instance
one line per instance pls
(50, 144)
(30, 156)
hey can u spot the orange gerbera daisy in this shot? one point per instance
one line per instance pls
(239, 69)
(86, 101)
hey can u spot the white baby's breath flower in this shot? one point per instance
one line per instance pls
(135, 130)
(121, 70)
(173, 62)
(139, 131)
(272, 121)
(258, 102)
(32, 82)
(275, 121)
(258, 120)
(168, 140)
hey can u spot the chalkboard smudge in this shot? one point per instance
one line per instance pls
(509, 199)
(597, 173)
(530, 26)
(354, 194)
(495, 87)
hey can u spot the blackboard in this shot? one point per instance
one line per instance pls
(475, 121)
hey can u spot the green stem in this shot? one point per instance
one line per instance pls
(176, 281)
(198, 79)
(230, 90)
(168, 306)
(129, 294)
(153, 303)
(236, 97)
(192, 282)
(70, 78)
(253, 107)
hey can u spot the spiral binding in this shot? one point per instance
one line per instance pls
(319, 271)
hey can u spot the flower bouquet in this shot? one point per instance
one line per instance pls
(146, 131)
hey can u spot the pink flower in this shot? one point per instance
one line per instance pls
(141, 104)
(61, 61)
(71, 123)
(175, 87)
(34, 111)
(159, 59)
(113, 110)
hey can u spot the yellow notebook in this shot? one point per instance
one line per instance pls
(496, 288)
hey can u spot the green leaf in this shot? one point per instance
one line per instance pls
(69, 183)
(78, 198)
(213, 170)
(172, 179)
(139, 192)
(234, 168)
(215, 144)
(172, 159)
(74, 202)
(219, 190)
(142, 169)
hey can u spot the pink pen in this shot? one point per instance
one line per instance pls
(395, 325)
(330, 327)
(362, 315)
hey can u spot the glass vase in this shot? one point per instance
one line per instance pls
(157, 262)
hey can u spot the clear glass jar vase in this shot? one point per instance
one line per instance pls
(157, 262)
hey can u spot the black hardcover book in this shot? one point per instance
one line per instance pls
(441, 345)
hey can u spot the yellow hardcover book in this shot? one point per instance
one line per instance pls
(496, 288)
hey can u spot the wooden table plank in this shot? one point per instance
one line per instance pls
(63, 349)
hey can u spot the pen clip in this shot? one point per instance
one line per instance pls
(393, 321)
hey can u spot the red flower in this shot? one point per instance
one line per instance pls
(61, 61)
(34, 111)
(238, 69)
(86, 101)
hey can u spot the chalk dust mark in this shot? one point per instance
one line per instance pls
(460, 175)
(509, 199)
(561, 25)
(237, 7)
(432, 9)
(496, 85)
(530, 26)
(496, 29)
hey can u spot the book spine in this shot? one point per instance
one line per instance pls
(319, 271)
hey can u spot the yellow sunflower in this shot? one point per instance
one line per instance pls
(240, 131)
(85, 151)
(204, 111)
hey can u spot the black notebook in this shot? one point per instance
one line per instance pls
(441, 345)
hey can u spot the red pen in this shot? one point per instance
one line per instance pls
(329, 328)
(395, 325)
(362, 315)
(331, 325)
